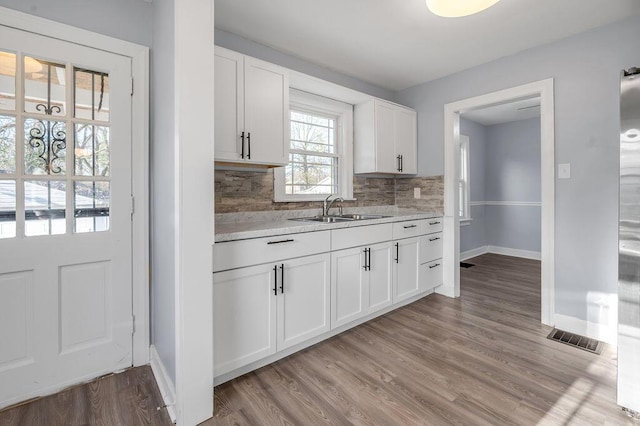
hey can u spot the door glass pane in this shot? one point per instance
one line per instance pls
(92, 150)
(45, 203)
(91, 95)
(7, 208)
(44, 87)
(91, 206)
(7, 144)
(7, 81)
(45, 147)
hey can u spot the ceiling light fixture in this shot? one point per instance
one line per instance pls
(458, 8)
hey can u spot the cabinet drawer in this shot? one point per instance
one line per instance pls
(430, 275)
(411, 228)
(360, 236)
(433, 225)
(237, 254)
(430, 247)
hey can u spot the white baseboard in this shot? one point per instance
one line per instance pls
(473, 252)
(525, 254)
(592, 330)
(165, 384)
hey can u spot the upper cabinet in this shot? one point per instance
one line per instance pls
(251, 110)
(385, 138)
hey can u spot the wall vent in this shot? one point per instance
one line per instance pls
(577, 341)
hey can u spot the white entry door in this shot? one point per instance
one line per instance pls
(65, 214)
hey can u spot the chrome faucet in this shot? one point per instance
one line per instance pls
(326, 205)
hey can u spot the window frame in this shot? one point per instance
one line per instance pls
(464, 179)
(343, 113)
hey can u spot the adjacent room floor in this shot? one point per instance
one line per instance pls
(481, 359)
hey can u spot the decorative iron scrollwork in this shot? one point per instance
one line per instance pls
(48, 138)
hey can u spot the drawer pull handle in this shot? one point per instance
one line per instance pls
(435, 265)
(280, 242)
(275, 280)
(282, 278)
(397, 259)
(434, 223)
(409, 226)
(367, 259)
(434, 239)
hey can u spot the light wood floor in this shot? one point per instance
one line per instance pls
(481, 359)
(129, 398)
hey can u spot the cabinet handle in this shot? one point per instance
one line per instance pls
(249, 145)
(409, 226)
(398, 163)
(282, 278)
(434, 223)
(275, 280)
(366, 266)
(369, 252)
(280, 242)
(397, 252)
(434, 239)
(434, 265)
(401, 163)
(242, 149)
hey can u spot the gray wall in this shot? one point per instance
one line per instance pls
(260, 51)
(513, 174)
(473, 235)
(586, 70)
(163, 185)
(128, 20)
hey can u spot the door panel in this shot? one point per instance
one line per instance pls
(406, 140)
(65, 219)
(303, 299)
(406, 269)
(348, 286)
(229, 104)
(380, 277)
(385, 138)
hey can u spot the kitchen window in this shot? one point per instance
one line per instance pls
(463, 182)
(320, 151)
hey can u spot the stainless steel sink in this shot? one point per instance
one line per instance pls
(338, 219)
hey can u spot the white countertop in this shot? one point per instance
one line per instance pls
(242, 226)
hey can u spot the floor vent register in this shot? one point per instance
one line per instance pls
(575, 340)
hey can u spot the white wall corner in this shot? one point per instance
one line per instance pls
(603, 332)
(474, 252)
(506, 251)
(166, 386)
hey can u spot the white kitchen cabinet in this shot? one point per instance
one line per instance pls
(406, 265)
(259, 310)
(361, 282)
(385, 138)
(430, 275)
(251, 110)
(244, 317)
(303, 299)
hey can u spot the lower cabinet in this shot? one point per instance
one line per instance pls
(361, 282)
(262, 309)
(406, 265)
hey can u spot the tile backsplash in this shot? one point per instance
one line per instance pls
(244, 191)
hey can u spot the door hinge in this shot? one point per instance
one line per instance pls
(131, 86)
(133, 324)
(133, 205)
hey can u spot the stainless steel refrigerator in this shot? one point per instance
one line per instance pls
(629, 245)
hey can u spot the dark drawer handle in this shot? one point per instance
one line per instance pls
(434, 239)
(280, 242)
(409, 226)
(434, 223)
(434, 265)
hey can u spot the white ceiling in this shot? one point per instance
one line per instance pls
(505, 113)
(397, 44)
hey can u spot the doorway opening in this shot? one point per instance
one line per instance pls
(542, 90)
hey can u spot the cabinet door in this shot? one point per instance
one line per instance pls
(348, 286)
(406, 264)
(406, 140)
(244, 317)
(266, 109)
(229, 108)
(386, 161)
(380, 277)
(430, 275)
(303, 299)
